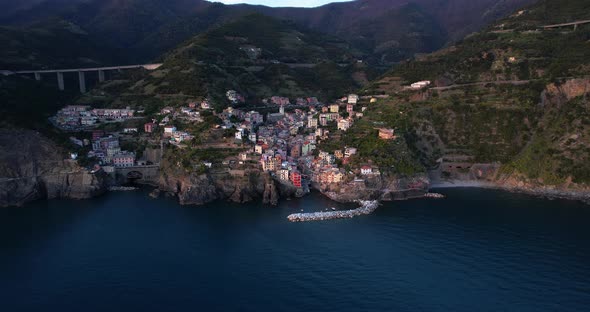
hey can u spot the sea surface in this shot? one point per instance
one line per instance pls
(477, 250)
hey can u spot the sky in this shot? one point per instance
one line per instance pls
(282, 3)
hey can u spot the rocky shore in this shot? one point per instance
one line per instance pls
(379, 187)
(198, 189)
(580, 194)
(32, 167)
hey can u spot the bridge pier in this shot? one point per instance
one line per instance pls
(81, 73)
(60, 81)
(82, 80)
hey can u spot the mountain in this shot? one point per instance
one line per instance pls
(138, 29)
(258, 56)
(392, 30)
(52, 44)
(513, 97)
(386, 31)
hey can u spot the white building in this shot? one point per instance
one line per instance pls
(353, 99)
(312, 123)
(239, 134)
(284, 175)
(419, 85)
(169, 129)
(349, 151)
(366, 170)
(344, 124)
(258, 149)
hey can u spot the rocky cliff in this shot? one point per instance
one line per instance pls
(197, 189)
(377, 187)
(552, 156)
(32, 167)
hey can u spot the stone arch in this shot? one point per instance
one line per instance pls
(134, 175)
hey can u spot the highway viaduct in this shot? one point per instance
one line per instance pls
(81, 73)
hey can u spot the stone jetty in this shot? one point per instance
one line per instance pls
(367, 207)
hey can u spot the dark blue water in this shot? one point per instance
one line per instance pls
(478, 250)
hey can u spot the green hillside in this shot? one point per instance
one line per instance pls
(516, 48)
(259, 57)
(55, 43)
(515, 93)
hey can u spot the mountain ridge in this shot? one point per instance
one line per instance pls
(387, 31)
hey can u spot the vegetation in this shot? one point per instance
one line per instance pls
(392, 156)
(483, 116)
(516, 48)
(259, 57)
(560, 148)
(51, 44)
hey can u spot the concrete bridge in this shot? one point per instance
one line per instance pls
(575, 24)
(139, 174)
(81, 73)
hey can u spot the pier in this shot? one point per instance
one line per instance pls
(367, 207)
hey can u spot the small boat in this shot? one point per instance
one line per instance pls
(333, 209)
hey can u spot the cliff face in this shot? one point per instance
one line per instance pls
(198, 189)
(32, 167)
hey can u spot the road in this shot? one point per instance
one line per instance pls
(483, 83)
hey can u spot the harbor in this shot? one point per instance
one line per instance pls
(367, 207)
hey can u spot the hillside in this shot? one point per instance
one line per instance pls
(257, 56)
(514, 94)
(137, 29)
(393, 30)
(386, 31)
(54, 43)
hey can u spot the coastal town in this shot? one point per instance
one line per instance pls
(284, 142)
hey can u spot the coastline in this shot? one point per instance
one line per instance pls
(545, 192)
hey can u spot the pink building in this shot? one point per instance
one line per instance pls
(124, 159)
(386, 134)
(149, 127)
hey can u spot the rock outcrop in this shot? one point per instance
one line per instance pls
(32, 167)
(377, 187)
(198, 189)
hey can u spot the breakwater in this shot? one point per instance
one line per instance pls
(367, 207)
(434, 195)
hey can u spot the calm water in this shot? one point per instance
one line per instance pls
(478, 250)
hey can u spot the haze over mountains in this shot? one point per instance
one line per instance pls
(385, 31)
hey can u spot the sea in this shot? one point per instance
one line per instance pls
(476, 250)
